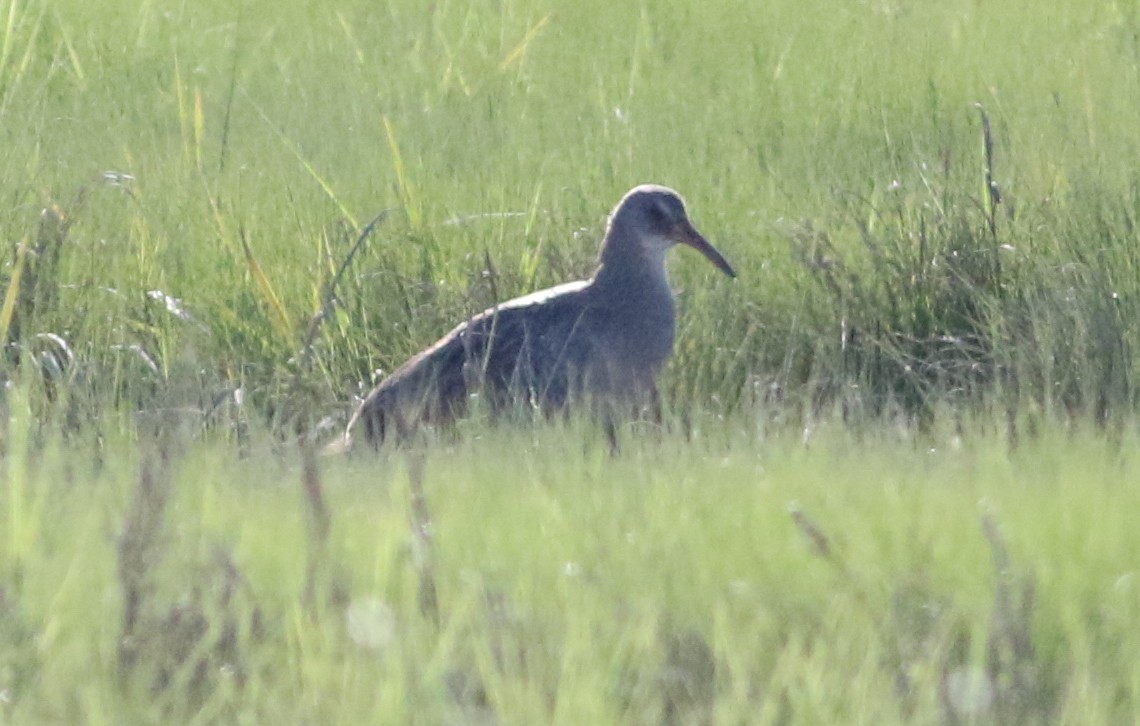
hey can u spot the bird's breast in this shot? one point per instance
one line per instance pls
(642, 329)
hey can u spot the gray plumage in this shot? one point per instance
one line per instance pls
(600, 341)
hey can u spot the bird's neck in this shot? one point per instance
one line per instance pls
(632, 286)
(629, 268)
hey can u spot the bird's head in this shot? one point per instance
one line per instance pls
(654, 217)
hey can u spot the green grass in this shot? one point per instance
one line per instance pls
(933, 380)
(575, 588)
(259, 142)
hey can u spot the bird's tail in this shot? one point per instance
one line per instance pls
(431, 389)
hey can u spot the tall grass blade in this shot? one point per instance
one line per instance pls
(231, 90)
(991, 194)
(328, 295)
(72, 53)
(349, 35)
(9, 35)
(13, 292)
(12, 77)
(312, 170)
(184, 113)
(199, 127)
(283, 325)
(423, 539)
(408, 196)
(319, 519)
(532, 258)
(519, 51)
(23, 517)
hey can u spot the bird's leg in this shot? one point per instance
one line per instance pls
(404, 430)
(656, 411)
(606, 413)
(686, 423)
(610, 427)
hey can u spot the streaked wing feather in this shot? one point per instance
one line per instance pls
(533, 346)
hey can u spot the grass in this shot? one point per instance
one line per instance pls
(214, 152)
(602, 591)
(901, 494)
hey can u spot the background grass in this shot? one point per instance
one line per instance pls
(845, 178)
(181, 180)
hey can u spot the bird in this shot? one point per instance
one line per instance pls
(599, 342)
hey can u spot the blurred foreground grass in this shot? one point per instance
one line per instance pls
(736, 577)
(204, 168)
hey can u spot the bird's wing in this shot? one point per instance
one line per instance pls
(529, 346)
(536, 347)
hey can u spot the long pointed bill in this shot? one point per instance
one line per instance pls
(687, 234)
